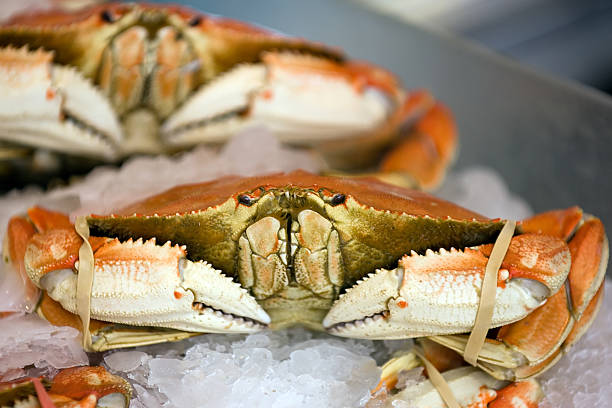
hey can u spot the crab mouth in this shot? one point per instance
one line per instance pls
(292, 265)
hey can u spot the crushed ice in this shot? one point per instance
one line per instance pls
(582, 378)
(28, 340)
(290, 368)
(483, 190)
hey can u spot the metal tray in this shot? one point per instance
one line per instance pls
(550, 139)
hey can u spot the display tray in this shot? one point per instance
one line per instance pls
(284, 368)
(550, 139)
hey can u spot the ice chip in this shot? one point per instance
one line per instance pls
(308, 371)
(29, 340)
(125, 361)
(256, 151)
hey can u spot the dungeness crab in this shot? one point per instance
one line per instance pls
(355, 257)
(120, 78)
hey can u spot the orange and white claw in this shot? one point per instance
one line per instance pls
(303, 99)
(138, 282)
(142, 283)
(428, 141)
(436, 293)
(41, 98)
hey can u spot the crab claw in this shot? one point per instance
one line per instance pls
(165, 290)
(439, 292)
(54, 107)
(530, 346)
(526, 394)
(548, 332)
(303, 99)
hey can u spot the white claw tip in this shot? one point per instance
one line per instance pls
(263, 317)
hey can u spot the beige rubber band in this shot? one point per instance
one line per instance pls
(438, 381)
(484, 316)
(84, 279)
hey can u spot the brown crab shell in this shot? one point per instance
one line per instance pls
(370, 193)
(377, 223)
(79, 38)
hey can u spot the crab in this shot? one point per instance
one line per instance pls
(119, 79)
(76, 387)
(354, 257)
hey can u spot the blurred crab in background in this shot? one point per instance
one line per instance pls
(118, 79)
(354, 257)
(77, 387)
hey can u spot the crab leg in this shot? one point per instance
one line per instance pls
(84, 387)
(164, 288)
(469, 386)
(428, 144)
(472, 388)
(54, 107)
(438, 292)
(304, 100)
(18, 233)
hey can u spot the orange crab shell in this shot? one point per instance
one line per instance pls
(370, 193)
(230, 40)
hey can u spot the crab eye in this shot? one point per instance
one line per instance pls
(245, 200)
(107, 16)
(338, 199)
(196, 20)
